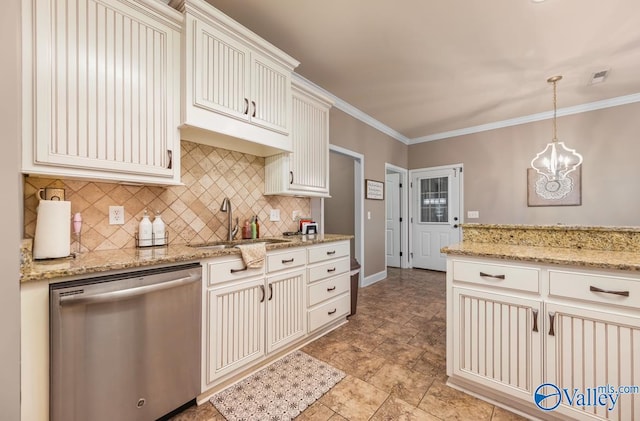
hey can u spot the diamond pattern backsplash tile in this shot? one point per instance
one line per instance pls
(190, 212)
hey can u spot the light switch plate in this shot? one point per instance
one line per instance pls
(274, 215)
(116, 215)
(473, 214)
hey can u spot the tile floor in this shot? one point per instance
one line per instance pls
(393, 351)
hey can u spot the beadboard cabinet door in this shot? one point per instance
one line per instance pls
(497, 341)
(587, 349)
(305, 171)
(235, 320)
(286, 309)
(235, 84)
(102, 89)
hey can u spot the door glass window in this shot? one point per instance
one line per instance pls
(434, 200)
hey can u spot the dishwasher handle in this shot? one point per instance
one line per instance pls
(69, 300)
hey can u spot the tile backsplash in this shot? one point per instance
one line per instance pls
(191, 212)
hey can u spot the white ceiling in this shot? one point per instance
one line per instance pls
(424, 67)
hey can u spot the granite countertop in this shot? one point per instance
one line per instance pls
(597, 259)
(601, 247)
(106, 260)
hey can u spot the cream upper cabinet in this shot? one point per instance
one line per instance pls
(236, 86)
(304, 171)
(102, 87)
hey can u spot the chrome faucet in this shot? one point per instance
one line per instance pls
(226, 207)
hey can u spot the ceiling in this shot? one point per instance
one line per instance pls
(427, 67)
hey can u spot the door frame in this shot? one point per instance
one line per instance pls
(411, 213)
(404, 205)
(317, 204)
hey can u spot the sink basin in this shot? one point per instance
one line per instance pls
(220, 245)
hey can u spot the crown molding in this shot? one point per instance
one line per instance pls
(561, 112)
(576, 109)
(353, 111)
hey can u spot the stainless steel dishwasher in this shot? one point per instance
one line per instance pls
(127, 346)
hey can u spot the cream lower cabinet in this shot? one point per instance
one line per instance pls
(498, 341)
(579, 331)
(250, 313)
(102, 90)
(234, 311)
(593, 340)
(328, 291)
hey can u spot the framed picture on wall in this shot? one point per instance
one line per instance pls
(542, 192)
(374, 190)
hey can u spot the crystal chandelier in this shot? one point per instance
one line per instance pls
(556, 161)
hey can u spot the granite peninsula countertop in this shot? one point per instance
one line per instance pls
(106, 260)
(598, 247)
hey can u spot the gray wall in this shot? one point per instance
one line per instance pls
(11, 211)
(339, 209)
(495, 164)
(378, 149)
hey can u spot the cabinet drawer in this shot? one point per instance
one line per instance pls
(495, 275)
(285, 260)
(329, 311)
(321, 291)
(328, 269)
(604, 289)
(329, 251)
(229, 270)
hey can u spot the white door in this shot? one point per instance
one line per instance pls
(392, 202)
(435, 195)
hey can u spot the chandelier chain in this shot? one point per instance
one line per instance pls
(555, 100)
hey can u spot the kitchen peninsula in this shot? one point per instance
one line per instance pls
(529, 305)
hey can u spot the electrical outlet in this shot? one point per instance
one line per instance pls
(274, 215)
(473, 214)
(116, 215)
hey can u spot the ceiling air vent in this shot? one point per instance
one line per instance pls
(600, 76)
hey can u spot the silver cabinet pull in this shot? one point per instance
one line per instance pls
(332, 311)
(596, 289)
(534, 312)
(333, 288)
(287, 260)
(487, 275)
(552, 318)
(263, 294)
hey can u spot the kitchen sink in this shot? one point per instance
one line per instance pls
(220, 245)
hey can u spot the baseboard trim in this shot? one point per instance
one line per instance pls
(372, 279)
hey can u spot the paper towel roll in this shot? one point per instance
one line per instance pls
(53, 230)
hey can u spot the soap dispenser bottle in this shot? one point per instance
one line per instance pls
(158, 230)
(145, 231)
(246, 230)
